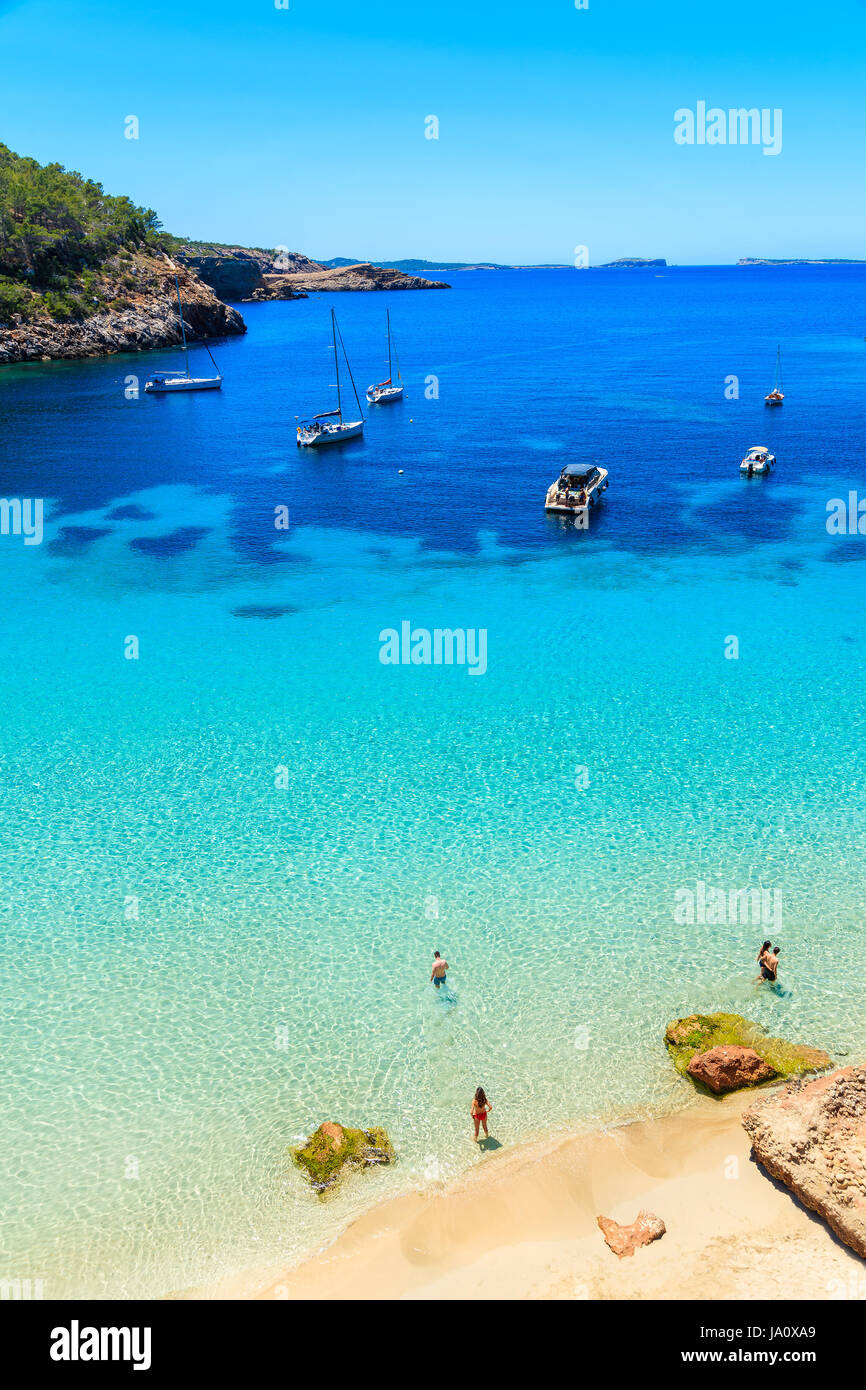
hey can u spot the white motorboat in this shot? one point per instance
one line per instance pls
(577, 489)
(329, 427)
(184, 381)
(758, 460)
(385, 391)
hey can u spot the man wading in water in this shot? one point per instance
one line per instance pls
(439, 971)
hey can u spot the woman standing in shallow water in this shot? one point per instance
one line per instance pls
(481, 1108)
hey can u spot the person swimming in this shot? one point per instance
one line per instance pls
(440, 969)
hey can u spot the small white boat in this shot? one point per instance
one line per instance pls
(184, 381)
(329, 427)
(576, 489)
(385, 391)
(161, 382)
(758, 460)
(776, 396)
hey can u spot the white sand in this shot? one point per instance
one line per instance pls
(522, 1224)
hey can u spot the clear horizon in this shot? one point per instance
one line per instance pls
(305, 126)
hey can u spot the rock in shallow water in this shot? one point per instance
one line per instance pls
(729, 1068)
(333, 1147)
(812, 1137)
(687, 1039)
(624, 1240)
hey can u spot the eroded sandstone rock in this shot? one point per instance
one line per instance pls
(812, 1137)
(624, 1240)
(730, 1068)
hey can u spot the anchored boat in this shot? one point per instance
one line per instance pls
(576, 489)
(329, 427)
(184, 381)
(776, 396)
(758, 460)
(385, 391)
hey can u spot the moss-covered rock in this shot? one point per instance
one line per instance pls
(687, 1038)
(332, 1147)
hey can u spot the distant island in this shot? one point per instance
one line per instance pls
(830, 260)
(629, 263)
(415, 267)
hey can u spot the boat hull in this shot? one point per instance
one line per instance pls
(390, 393)
(308, 439)
(185, 383)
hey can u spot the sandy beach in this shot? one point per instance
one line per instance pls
(522, 1225)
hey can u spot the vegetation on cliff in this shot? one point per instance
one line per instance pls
(66, 246)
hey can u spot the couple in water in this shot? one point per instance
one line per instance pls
(768, 959)
(481, 1106)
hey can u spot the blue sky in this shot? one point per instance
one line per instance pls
(305, 127)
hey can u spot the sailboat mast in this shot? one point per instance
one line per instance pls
(182, 329)
(336, 364)
(388, 313)
(779, 366)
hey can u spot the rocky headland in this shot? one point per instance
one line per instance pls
(362, 276)
(137, 311)
(252, 275)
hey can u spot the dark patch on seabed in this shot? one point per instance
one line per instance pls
(264, 610)
(74, 540)
(176, 543)
(129, 511)
(845, 552)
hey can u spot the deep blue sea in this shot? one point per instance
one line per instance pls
(226, 863)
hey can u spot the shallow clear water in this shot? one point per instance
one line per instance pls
(199, 965)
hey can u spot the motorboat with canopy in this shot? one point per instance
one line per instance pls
(577, 488)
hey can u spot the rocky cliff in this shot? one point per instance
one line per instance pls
(238, 272)
(138, 310)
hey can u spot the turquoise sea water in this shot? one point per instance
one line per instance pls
(200, 965)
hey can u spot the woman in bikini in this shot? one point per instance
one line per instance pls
(481, 1108)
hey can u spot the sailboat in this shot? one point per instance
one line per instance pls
(329, 427)
(386, 390)
(776, 396)
(184, 381)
